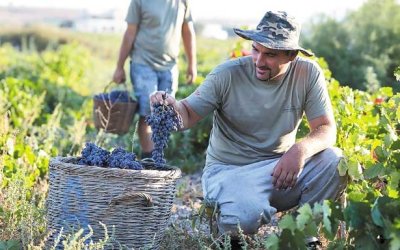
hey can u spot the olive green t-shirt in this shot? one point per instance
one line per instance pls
(253, 119)
(159, 31)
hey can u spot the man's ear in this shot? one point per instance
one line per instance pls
(293, 54)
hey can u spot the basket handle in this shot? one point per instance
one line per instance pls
(147, 199)
(125, 87)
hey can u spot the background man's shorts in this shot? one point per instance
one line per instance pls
(146, 80)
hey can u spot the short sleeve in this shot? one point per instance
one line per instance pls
(317, 97)
(208, 96)
(188, 12)
(133, 16)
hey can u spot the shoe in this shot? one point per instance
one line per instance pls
(235, 245)
(313, 243)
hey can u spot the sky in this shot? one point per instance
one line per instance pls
(221, 9)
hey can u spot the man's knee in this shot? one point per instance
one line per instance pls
(234, 225)
(332, 154)
(329, 160)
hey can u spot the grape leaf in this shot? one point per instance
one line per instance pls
(10, 245)
(304, 217)
(376, 214)
(287, 222)
(374, 171)
(272, 242)
(342, 167)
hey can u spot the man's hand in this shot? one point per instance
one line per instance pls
(162, 97)
(191, 74)
(288, 167)
(119, 76)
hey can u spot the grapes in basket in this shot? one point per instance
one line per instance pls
(114, 96)
(93, 155)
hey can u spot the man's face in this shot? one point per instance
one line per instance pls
(270, 63)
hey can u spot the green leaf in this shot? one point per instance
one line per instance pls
(392, 193)
(294, 240)
(287, 222)
(374, 171)
(395, 145)
(355, 170)
(311, 228)
(355, 214)
(10, 245)
(387, 91)
(304, 217)
(393, 184)
(395, 242)
(272, 242)
(356, 196)
(381, 153)
(326, 222)
(398, 114)
(376, 214)
(342, 167)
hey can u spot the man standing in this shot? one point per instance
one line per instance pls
(255, 166)
(152, 40)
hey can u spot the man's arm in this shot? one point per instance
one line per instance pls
(126, 47)
(321, 136)
(189, 44)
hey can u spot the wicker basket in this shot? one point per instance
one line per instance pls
(114, 118)
(136, 202)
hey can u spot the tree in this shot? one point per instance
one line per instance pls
(363, 47)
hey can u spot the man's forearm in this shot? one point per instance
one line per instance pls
(124, 52)
(317, 140)
(126, 46)
(189, 43)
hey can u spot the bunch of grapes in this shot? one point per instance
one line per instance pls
(93, 155)
(163, 120)
(114, 96)
(120, 158)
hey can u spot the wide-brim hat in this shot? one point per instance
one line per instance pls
(276, 30)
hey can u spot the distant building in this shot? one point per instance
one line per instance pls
(80, 20)
(27, 15)
(109, 22)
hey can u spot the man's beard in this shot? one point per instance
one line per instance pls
(267, 71)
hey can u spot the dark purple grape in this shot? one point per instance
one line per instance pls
(93, 155)
(119, 96)
(114, 96)
(163, 120)
(120, 158)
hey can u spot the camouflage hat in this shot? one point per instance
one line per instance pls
(276, 30)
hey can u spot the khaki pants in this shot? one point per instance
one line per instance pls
(246, 196)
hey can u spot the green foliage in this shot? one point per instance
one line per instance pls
(40, 115)
(397, 73)
(10, 245)
(363, 48)
(46, 110)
